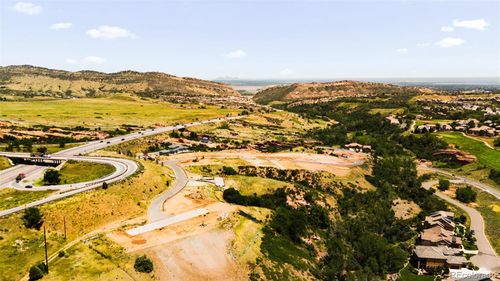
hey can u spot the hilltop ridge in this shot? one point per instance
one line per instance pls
(30, 80)
(330, 90)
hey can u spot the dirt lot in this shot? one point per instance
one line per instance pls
(196, 249)
(285, 160)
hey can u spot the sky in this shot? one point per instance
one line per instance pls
(256, 39)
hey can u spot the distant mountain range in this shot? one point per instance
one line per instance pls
(34, 81)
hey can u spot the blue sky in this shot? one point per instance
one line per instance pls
(256, 39)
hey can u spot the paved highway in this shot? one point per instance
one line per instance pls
(123, 167)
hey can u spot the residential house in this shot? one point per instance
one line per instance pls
(442, 219)
(437, 236)
(429, 257)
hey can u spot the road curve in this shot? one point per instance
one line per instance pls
(127, 168)
(485, 187)
(487, 258)
(155, 210)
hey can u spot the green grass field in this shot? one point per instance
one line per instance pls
(4, 163)
(489, 207)
(10, 198)
(105, 112)
(81, 171)
(487, 158)
(386, 111)
(250, 185)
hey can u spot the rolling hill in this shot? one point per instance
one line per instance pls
(29, 80)
(331, 90)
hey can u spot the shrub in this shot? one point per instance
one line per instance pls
(229, 171)
(35, 273)
(61, 254)
(143, 264)
(466, 194)
(52, 176)
(495, 176)
(443, 184)
(32, 218)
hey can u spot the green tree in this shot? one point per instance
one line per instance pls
(496, 142)
(33, 218)
(444, 184)
(143, 264)
(52, 176)
(35, 273)
(41, 149)
(466, 194)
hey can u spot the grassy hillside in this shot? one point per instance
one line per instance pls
(30, 80)
(330, 90)
(103, 112)
(487, 158)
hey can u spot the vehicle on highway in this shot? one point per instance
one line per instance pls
(20, 177)
(108, 142)
(28, 186)
(123, 139)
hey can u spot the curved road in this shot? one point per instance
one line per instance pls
(485, 187)
(124, 167)
(487, 258)
(155, 210)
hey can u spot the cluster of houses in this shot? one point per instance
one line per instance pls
(440, 106)
(438, 246)
(471, 126)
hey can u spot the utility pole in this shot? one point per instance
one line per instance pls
(64, 227)
(46, 256)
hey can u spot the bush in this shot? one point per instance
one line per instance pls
(495, 176)
(143, 264)
(229, 171)
(35, 273)
(52, 176)
(32, 218)
(38, 271)
(62, 254)
(443, 184)
(466, 194)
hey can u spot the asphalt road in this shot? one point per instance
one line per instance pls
(487, 188)
(155, 210)
(123, 167)
(487, 258)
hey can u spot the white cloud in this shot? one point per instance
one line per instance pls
(478, 24)
(110, 32)
(402, 50)
(236, 54)
(447, 28)
(287, 71)
(27, 8)
(449, 42)
(93, 60)
(71, 61)
(423, 44)
(61, 25)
